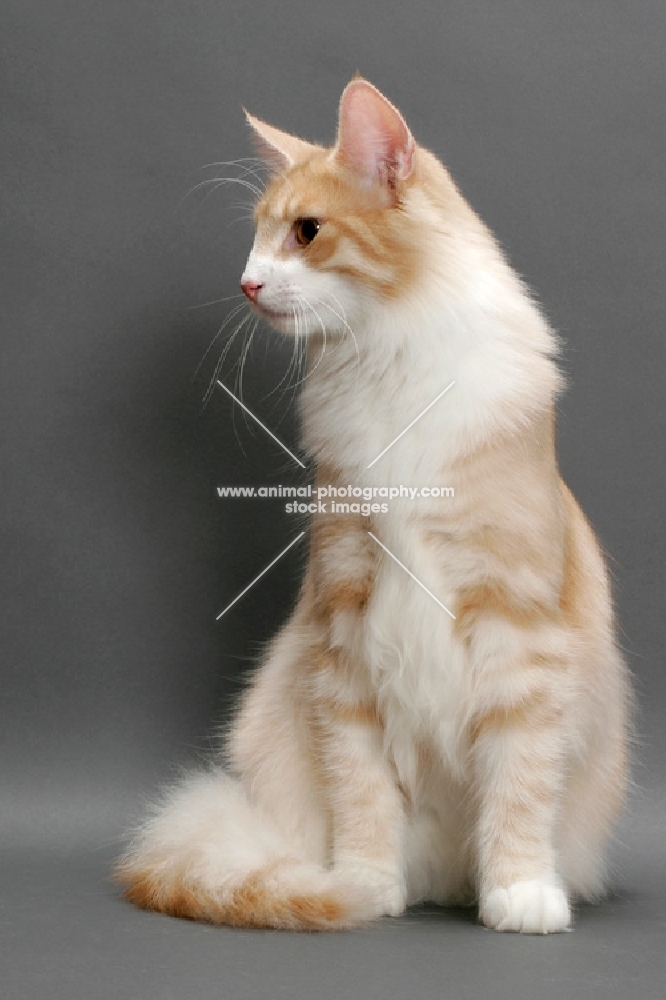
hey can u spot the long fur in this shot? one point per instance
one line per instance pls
(385, 751)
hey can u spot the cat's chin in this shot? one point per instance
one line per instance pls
(290, 326)
(283, 322)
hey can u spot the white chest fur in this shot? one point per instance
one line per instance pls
(353, 408)
(417, 665)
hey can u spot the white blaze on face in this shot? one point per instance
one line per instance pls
(258, 269)
(293, 297)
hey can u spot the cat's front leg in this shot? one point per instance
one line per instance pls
(517, 752)
(365, 805)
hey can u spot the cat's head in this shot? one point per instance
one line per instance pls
(339, 230)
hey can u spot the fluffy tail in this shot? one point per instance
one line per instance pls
(209, 854)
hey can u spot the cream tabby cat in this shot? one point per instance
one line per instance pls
(387, 752)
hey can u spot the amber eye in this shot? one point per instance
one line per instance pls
(305, 230)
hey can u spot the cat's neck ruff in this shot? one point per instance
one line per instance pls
(482, 332)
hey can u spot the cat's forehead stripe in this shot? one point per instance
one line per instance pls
(317, 187)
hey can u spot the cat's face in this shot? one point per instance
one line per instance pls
(333, 234)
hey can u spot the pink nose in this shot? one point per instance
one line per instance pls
(251, 289)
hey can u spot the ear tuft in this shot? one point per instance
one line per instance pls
(279, 150)
(373, 137)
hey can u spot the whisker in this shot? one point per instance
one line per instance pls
(291, 360)
(343, 320)
(309, 305)
(301, 351)
(220, 361)
(222, 358)
(234, 312)
(214, 302)
(238, 367)
(296, 362)
(242, 162)
(219, 182)
(323, 351)
(247, 165)
(242, 367)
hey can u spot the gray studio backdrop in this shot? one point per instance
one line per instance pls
(117, 552)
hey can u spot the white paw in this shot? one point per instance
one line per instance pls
(388, 900)
(387, 891)
(394, 900)
(535, 906)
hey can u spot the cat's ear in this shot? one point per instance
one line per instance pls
(278, 149)
(373, 137)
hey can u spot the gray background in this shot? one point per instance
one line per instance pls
(117, 553)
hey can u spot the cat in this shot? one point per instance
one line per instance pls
(444, 717)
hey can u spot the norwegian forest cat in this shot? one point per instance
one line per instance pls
(461, 740)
